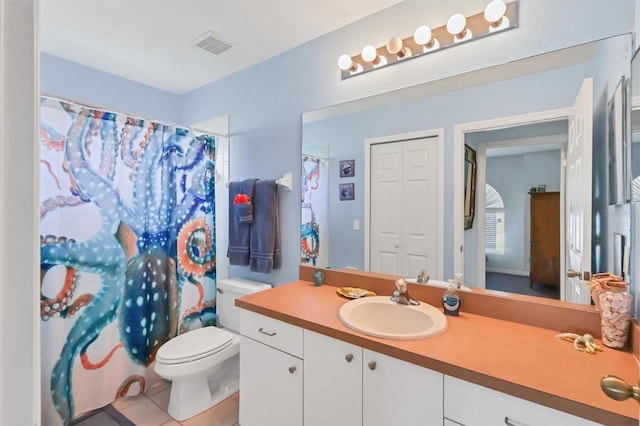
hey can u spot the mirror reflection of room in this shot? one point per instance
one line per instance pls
(521, 168)
(550, 83)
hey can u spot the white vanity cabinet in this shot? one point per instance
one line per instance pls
(332, 381)
(470, 404)
(396, 392)
(347, 385)
(271, 371)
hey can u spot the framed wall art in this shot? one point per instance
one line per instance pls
(347, 168)
(469, 186)
(346, 192)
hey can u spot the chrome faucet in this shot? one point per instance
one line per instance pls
(401, 295)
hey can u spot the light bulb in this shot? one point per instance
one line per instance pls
(423, 36)
(457, 25)
(494, 11)
(369, 53)
(394, 46)
(345, 63)
(494, 15)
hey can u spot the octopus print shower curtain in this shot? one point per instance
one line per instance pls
(127, 251)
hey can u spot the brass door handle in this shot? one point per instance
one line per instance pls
(618, 389)
(372, 365)
(572, 274)
(348, 357)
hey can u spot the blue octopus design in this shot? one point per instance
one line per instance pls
(136, 251)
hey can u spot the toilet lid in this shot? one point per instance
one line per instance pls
(193, 345)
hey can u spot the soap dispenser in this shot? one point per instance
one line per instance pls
(451, 299)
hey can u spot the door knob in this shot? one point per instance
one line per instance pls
(372, 365)
(348, 357)
(292, 370)
(572, 274)
(618, 389)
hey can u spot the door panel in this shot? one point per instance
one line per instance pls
(404, 219)
(420, 218)
(578, 194)
(386, 183)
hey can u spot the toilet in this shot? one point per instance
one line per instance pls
(204, 364)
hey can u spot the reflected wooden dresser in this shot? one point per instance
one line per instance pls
(545, 239)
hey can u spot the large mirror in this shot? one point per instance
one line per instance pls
(388, 172)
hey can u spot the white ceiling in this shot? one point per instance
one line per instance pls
(149, 41)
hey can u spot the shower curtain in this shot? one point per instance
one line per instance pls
(127, 250)
(314, 241)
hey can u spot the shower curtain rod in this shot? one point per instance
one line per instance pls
(90, 105)
(209, 132)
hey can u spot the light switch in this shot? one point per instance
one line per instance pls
(356, 225)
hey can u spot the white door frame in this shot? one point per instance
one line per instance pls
(459, 132)
(20, 353)
(430, 133)
(481, 180)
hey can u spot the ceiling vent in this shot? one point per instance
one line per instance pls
(212, 43)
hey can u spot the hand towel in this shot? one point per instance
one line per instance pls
(244, 209)
(265, 231)
(239, 232)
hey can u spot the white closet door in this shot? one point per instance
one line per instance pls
(386, 207)
(404, 213)
(419, 208)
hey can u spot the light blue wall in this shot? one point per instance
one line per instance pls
(265, 101)
(512, 176)
(72, 81)
(345, 137)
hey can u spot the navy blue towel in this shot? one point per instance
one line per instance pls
(265, 231)
(239, 231)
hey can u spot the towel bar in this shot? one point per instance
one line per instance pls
(285, 181)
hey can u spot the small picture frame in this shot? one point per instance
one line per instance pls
(541, 188)
(346, 192)
(347, 168)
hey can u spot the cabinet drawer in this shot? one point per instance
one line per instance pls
(470, 404)
(272, 332)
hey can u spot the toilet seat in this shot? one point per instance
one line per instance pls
(194, 345)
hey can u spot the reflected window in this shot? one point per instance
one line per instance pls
(494, 222)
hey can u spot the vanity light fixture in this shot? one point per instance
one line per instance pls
(459, 29)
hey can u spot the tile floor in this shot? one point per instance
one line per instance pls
(150, 409)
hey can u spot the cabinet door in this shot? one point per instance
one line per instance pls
(270, 384)
(471, 404)
(332, 381)
(396, 392)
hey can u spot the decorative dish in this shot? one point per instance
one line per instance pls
(354, 292)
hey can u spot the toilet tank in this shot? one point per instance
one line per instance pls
(228, 290)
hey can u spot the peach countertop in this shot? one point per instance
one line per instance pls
(517, 359)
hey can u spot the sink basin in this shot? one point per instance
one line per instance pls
(378, 316)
